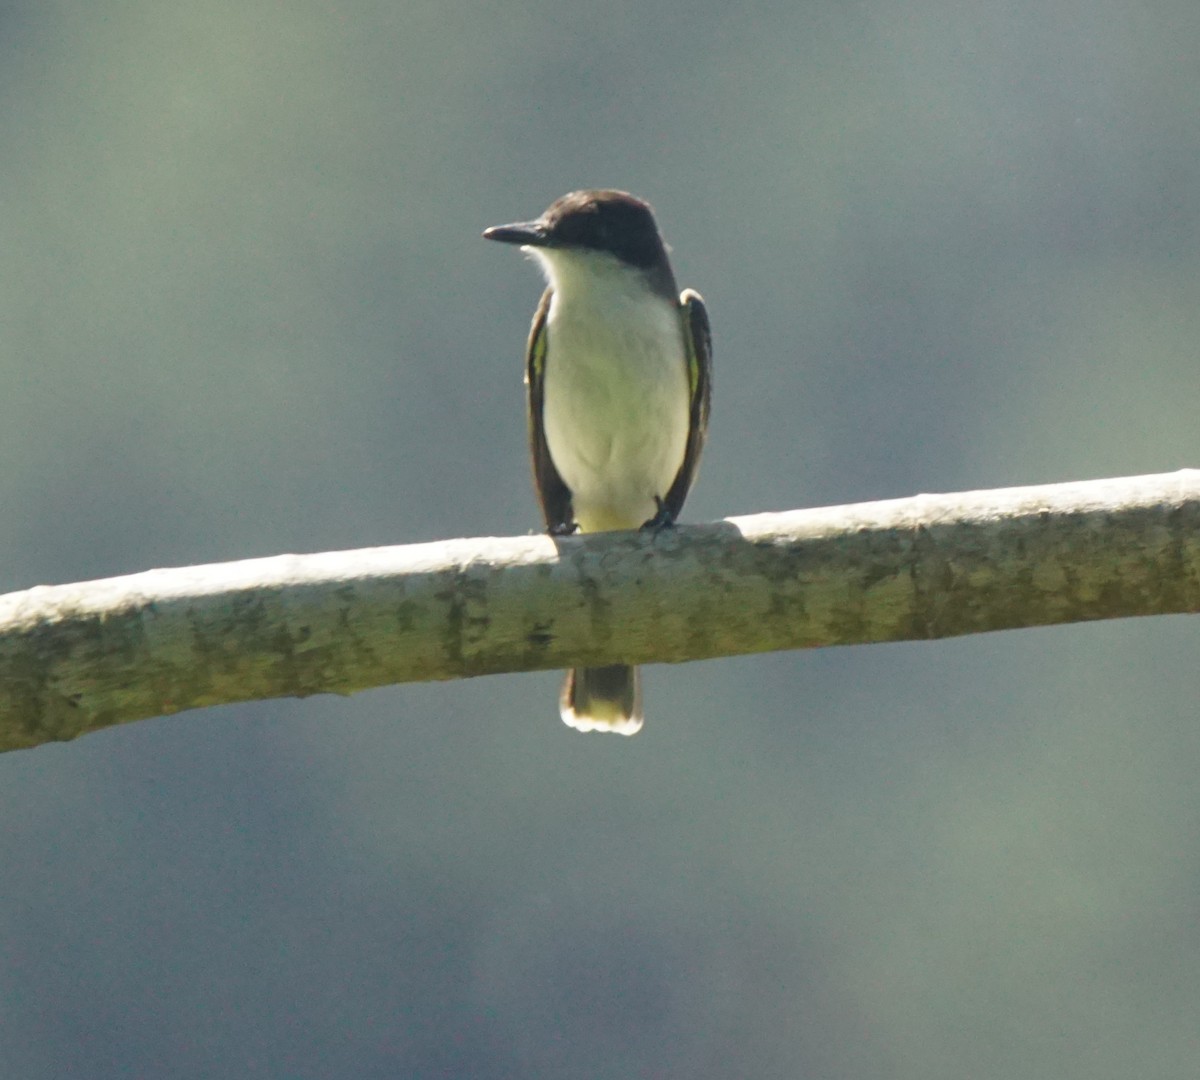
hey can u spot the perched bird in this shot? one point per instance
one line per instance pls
(619, 377)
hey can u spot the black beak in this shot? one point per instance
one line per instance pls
(526, 233)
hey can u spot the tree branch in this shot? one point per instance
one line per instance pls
(74, 658)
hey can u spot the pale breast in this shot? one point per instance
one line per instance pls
(616, 400)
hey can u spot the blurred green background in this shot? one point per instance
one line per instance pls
(246, 310)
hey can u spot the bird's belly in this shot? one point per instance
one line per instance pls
(616, 413)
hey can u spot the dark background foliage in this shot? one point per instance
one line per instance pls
(246, 310)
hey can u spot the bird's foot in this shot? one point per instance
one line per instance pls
(663, 518)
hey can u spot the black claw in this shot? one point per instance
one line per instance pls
(663, 518)
(563, 528)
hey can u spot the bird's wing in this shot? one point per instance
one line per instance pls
(552, 493)
(697, 338)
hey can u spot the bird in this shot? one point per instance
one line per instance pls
(618, 373)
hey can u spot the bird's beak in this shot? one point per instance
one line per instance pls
(525, 233)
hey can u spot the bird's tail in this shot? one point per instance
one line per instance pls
(603, 699)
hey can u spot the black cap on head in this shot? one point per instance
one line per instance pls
(614, 222)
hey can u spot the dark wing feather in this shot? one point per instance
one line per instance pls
(698, 340)
(552, 493)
